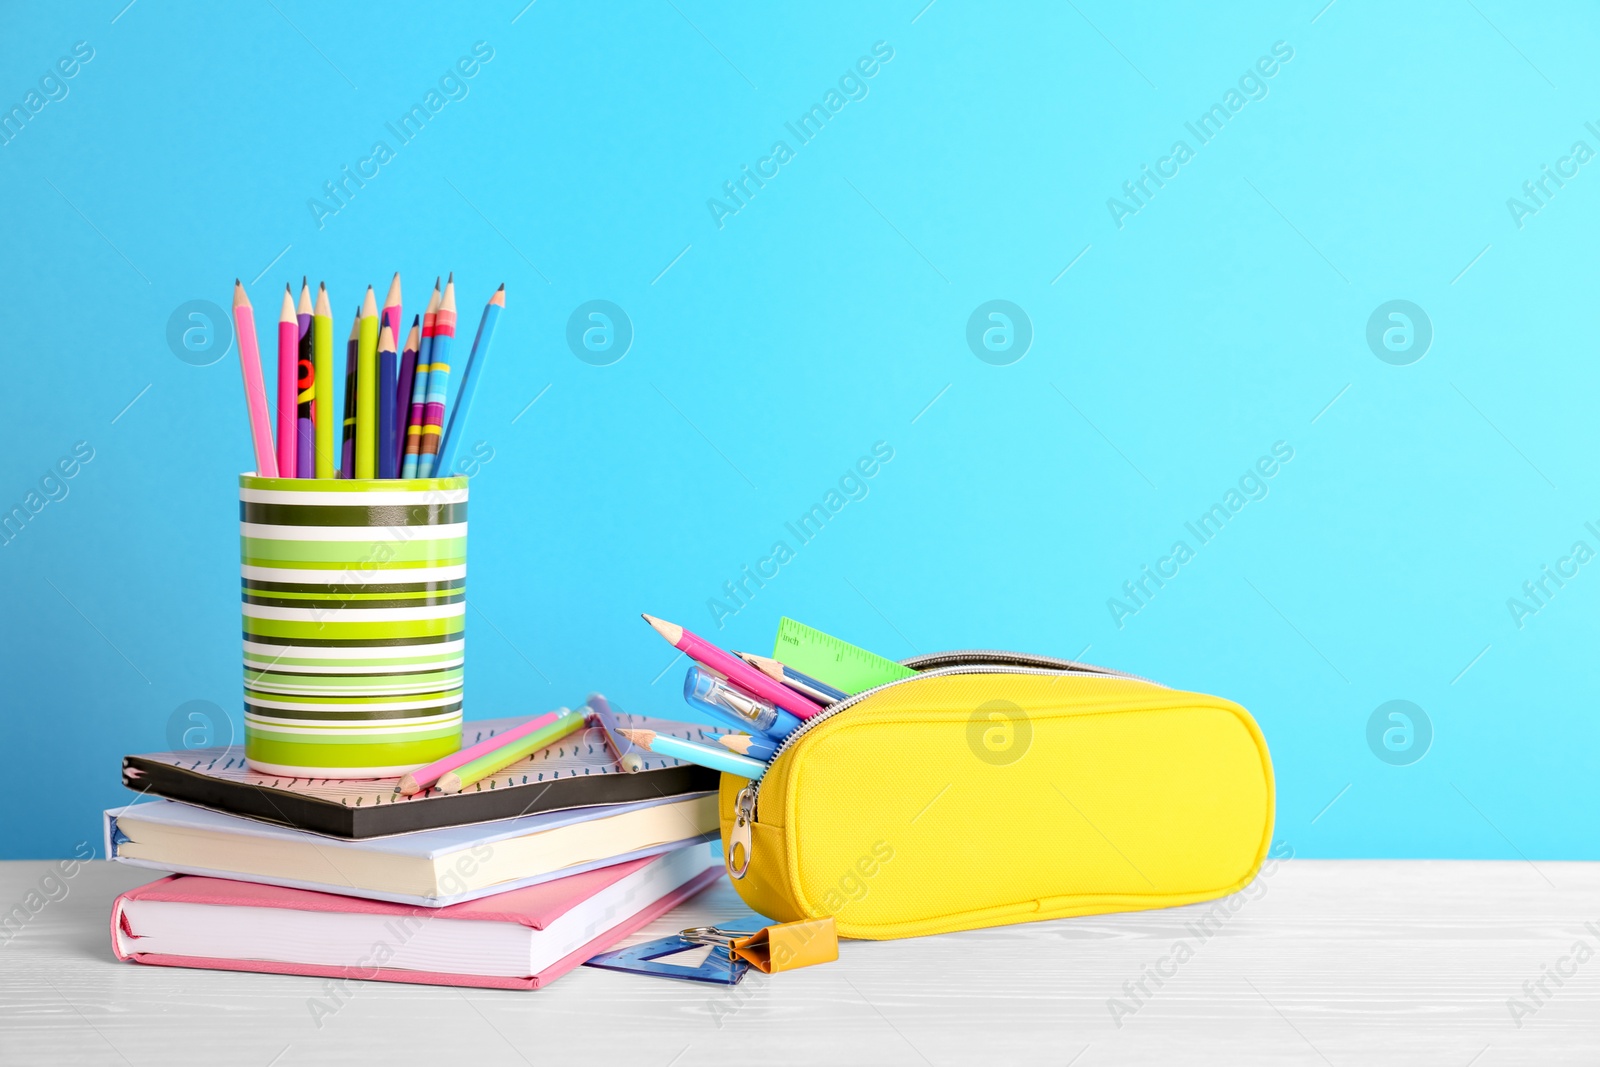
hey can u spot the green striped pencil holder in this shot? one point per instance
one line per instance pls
(354, 603)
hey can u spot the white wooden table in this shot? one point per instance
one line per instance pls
(1323, 962)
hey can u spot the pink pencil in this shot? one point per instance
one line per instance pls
(737, 670)
(255, 391)
(288, 384)
(424, 777)
(391, 308)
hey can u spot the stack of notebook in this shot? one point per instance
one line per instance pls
(554, 859)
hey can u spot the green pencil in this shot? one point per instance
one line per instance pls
(482, 767)
(322, 378)
(367, 390)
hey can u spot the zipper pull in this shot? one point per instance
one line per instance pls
(744, 807)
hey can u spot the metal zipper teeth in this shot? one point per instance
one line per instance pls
(1018, 660)
(808, 725)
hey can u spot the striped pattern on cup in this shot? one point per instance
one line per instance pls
(354, 606)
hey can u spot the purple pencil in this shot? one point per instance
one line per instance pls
(402, 391)
(305, 445)
(347, 455)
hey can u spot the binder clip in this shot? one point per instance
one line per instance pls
(780, 947)
(720, 966)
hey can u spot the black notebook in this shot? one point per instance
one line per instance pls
(577, 771)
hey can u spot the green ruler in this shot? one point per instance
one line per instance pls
(828, 659)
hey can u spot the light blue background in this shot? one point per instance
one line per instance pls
(827, 315)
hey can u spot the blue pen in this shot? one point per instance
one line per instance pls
(469, 381)
(710, 693)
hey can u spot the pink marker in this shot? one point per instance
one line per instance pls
(424, 777)
(734, 669)
(255, 390)
(288, 385)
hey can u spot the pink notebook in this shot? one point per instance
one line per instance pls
(522, 939)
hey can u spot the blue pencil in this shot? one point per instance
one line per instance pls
(469, 380)
(749, 745)
(388, 370)
(444, 337)
(715, 757)
(418, 402)
(804, 684)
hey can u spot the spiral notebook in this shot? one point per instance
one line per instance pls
(575, 772)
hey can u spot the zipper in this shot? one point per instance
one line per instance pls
(997, 657)
(969, 661)
(738, 857)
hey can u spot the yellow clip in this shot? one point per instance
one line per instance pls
(786, 946)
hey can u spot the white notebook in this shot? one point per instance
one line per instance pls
(524, 938)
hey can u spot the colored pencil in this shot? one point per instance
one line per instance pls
(482, 767)
(469, 381)
(388, 430)
(288, 384)
(391, 306)
(622, 749)
(425, 777)
(388, 371)
(347, 455)
(306, 383)
(801, 683)
(367, 390)
(419, 389)
(255, 390)
(719, 759)
(745, 745)
(737, 670)
(322, 375)
(402, 393)
(444, 335)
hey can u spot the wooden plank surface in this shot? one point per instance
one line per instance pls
(1320, 962)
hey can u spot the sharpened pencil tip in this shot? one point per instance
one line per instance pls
(671, 631)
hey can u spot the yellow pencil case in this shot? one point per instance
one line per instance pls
(993, 788)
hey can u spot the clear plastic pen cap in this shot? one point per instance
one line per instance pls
(713, 695)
